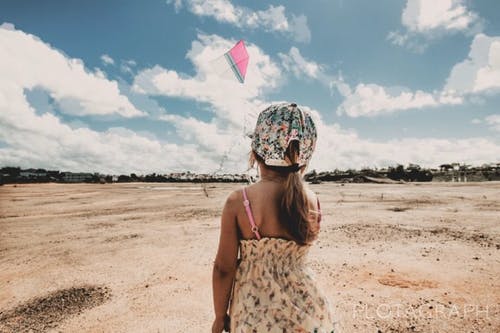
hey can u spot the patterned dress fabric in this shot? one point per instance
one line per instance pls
(275, 291)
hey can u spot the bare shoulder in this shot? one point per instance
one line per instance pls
(232, 200)
(234, 196)
(311, 195)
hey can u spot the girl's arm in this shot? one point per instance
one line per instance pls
(225, 262)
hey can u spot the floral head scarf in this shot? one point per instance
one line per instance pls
(276, 127)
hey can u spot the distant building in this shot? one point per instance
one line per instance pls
(446, 167)
(32, 173)
(76, 177)
(456, 166)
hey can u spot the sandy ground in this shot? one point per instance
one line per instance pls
(137, 257)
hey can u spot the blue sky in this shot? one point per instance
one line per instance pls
(127, 86)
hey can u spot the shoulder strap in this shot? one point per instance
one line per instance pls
(319, 210)
(246, 203)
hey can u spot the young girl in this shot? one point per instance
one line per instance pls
(272, 224)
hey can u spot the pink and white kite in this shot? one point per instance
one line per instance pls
(237, 58)
(232, 64)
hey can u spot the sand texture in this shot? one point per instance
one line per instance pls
(137, 257)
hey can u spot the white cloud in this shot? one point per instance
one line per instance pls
(493, 121)
(208, 136)
(234, 105)
(36, 138)
(337, 147)
(480, 72)
(229, 99)
(7, 26)
(476, 121)
(298, 65)
(107, 60)
(177, 4)
(127, 66)
(366, 99)
(27, 63)
(476, 76)
(301, 67)
(221, 10)
(373, 99)
(44, 141)
(343, 149)
(272, 19)
(413, 43)
(428, 15)
(299, 29)
(425, 20)
(131, 62)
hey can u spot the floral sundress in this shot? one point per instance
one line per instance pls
(274, 289)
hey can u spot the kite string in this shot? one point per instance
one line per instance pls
(227, 153)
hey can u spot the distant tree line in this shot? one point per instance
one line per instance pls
(410, 173)
(17, 175)
(413, 173)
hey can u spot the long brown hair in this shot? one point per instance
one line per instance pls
(294, 212)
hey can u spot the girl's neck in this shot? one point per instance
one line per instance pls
(279, 180)
(267, 175)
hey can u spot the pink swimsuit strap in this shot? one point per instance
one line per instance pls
(246, 203)
(319, 211)
(255, 229)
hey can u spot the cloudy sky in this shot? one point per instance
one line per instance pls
(131, 86)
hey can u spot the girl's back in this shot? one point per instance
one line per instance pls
(274, 289)
(265, 202)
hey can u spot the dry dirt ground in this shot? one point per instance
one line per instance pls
(137, 257)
